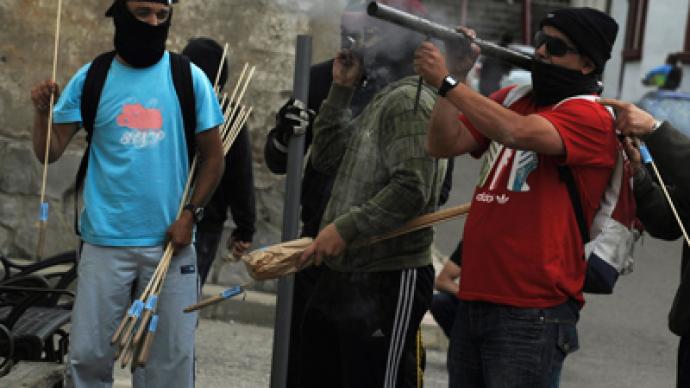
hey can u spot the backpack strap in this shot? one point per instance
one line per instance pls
(181, 69)
(90, 98)
(566, 175)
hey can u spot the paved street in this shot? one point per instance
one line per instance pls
(236, 355)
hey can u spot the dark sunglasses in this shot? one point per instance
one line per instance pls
(554, 46)
(143, 13)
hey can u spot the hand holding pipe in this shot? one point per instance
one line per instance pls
(429, 28)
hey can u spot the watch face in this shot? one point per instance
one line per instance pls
(198, 214)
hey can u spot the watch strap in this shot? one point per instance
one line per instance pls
(449, 82)
(197, 211)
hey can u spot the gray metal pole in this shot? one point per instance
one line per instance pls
(293, 185)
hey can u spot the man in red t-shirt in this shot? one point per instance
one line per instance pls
(523, 256)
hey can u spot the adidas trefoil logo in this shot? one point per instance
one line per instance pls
(502, 199)
(378, 333)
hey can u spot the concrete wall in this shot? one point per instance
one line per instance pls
(261, 32)
(664, 33)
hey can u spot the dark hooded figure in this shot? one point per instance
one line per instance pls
(236, 189)
(523, 266)
(138, 166)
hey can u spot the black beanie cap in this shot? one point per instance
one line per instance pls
(591, 31)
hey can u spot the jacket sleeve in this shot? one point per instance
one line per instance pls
(671, 152)
(241, 195)
(414, 175)
(332, 130)
(670, 149)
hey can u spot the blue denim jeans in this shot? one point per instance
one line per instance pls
(497, 346)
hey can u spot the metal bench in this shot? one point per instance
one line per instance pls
(35, 307)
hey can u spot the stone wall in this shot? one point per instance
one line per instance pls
(260, 32)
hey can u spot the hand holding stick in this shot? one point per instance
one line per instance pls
(284, 258)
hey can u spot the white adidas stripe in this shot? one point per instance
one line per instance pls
(400, 325)
(389, 362)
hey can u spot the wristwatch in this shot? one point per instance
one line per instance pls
(449, 82)
(197, 212)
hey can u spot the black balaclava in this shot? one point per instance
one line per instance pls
(138, 43)
(553, 83)
(593, 33)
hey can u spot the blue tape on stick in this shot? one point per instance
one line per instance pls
(151, 302)
(43, 212)
(644, 152)
(154, 324)
(230, 292)
(136, 308)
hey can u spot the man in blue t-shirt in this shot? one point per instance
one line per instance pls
(138, 166)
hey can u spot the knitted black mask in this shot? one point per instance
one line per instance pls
(138, 43)
(551, 83)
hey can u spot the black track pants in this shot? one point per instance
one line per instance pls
(360, 329)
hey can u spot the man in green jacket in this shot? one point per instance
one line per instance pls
(360, 326)
(671, 151)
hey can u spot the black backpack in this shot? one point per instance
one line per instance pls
(91, 95)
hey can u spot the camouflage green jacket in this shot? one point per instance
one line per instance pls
(384, 176)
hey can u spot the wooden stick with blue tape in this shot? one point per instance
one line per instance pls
(43, 211)
(225, 295)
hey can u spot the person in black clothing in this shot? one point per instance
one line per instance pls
(295, 116)
(236, 189)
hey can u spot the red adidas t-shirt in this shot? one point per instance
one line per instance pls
(522, 245)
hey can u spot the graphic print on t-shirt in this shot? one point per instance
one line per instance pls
(144, 125)
(497, 160)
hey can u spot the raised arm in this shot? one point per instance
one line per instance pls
(331, 132)
(293, 118)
